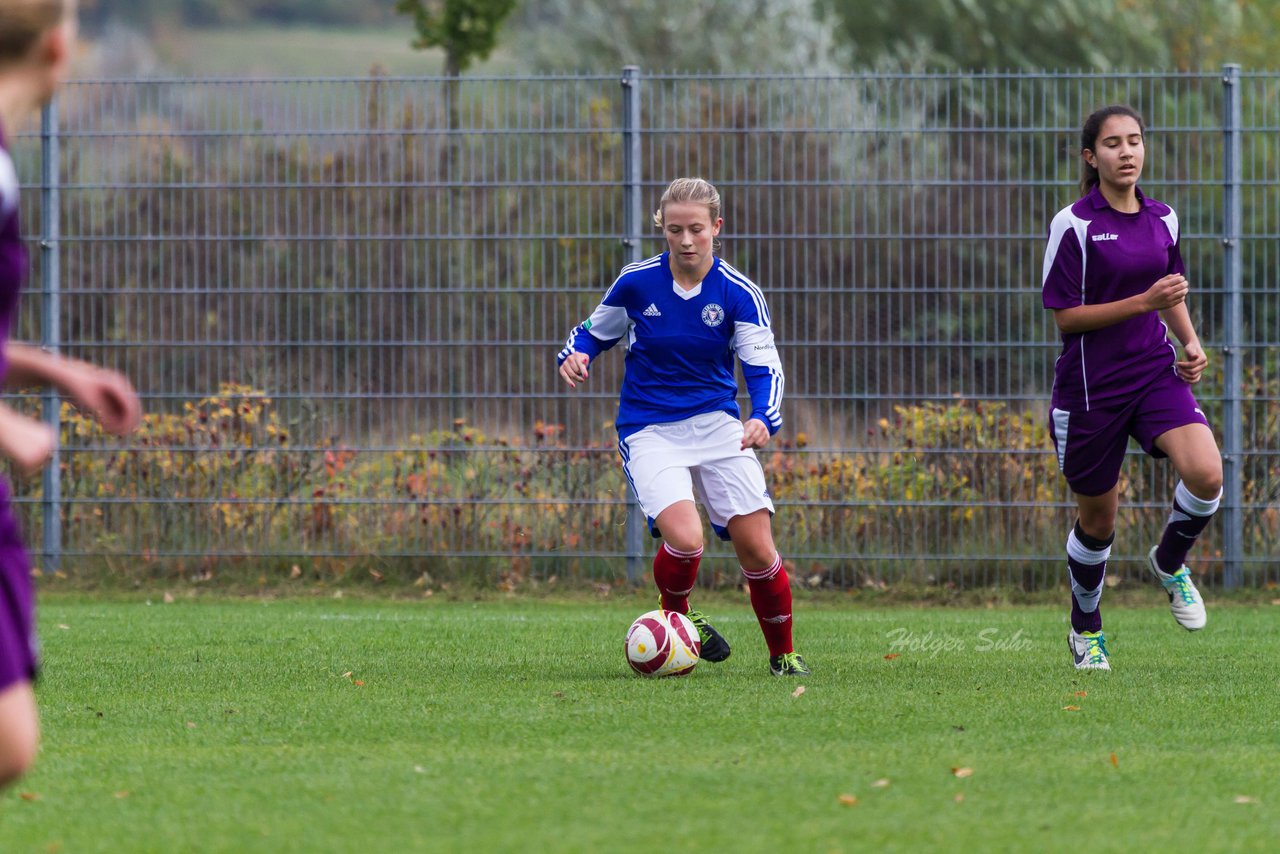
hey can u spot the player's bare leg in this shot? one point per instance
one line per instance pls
(681, 526)
(675, 569)
(19, 731)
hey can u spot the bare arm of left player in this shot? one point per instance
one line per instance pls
(107, 395)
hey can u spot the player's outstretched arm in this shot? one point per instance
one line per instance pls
(107, 395)
(593, 336)
(25, 442)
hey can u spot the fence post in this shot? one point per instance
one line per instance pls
(50, 331)
(1233, 335)
(632, 224)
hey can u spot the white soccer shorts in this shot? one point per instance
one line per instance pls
(666, 463)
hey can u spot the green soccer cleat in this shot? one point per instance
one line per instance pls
(714, 646)
(788, 664)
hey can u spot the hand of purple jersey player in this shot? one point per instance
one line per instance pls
(1167, 292)
(25, 442)
(107, 394)
(754, 434)
(574, 369)
(1192, 367)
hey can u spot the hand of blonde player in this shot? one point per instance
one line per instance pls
(574, 369)
(26, 442)
(754, 434)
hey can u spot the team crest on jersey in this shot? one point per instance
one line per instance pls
(712, 315)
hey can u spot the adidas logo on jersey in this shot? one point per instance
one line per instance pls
(652, 311)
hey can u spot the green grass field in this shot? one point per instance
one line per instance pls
(269, 51)
(346, 725)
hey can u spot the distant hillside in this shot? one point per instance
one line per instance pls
(149, 15)
(266, 51)
(259, 50)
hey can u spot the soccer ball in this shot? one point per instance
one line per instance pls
(662, 643)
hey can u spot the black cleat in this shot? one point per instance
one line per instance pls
(714, 646)
(788, 664)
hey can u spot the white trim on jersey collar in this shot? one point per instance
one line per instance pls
(682, 293)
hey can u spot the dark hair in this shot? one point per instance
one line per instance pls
(1089, 138)
(24, 21)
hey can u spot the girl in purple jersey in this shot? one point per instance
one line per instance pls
(679, 434)
(1114, 279)
(36, 38)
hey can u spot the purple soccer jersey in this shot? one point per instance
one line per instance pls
(1095, 255)
(1121, 380)
(17, 603)
(13, 254)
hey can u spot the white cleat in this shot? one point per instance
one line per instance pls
(1184, 598)
(1089, 649)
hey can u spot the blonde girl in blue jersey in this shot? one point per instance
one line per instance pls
(689, 320)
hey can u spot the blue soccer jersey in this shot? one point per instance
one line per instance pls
(681, 345)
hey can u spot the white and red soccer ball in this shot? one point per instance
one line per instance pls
(663, 643)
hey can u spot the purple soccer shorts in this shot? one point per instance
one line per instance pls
(1091, 443)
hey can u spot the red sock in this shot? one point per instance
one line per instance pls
(675, 573)
(771, 599)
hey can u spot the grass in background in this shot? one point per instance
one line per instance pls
(326, 725)
(266, 51)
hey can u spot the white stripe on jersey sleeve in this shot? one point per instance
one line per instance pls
(631, 268)
(640, 265)
(1171, 223)
(757, 296)
(754, 345)
(1064, 220)
(8, 184)
(609, 322)
(606, 323)
(569, 348)
(773, 401)
(776, 382)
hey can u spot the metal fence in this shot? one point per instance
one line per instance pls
(341, 300)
